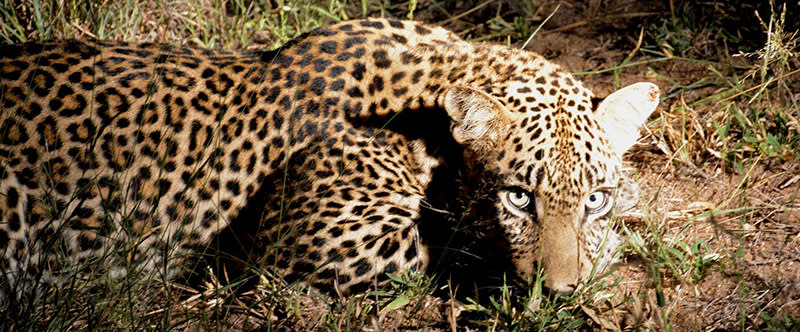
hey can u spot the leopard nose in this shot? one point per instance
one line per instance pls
(560, 254)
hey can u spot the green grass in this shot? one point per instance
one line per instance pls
(213, 24)
(748, 118)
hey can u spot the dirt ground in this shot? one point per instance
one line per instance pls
(758, 244)
(759, 268)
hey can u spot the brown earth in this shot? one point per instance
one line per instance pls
(758, 246)
(752, 222)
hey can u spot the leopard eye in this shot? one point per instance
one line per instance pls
(518, 198)
(597, 202)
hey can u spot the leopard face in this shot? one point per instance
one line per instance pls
(559, 158)
(150, 152)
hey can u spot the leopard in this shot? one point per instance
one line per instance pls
(335, 160)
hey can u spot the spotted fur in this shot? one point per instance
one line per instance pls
(319, 158)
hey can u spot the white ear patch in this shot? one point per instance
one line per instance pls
(623, 112)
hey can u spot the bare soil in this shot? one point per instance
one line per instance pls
(758, 242)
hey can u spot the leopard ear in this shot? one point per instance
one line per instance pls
(623, 112)
(476, 119)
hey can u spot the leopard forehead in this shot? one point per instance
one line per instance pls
(553, 143)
